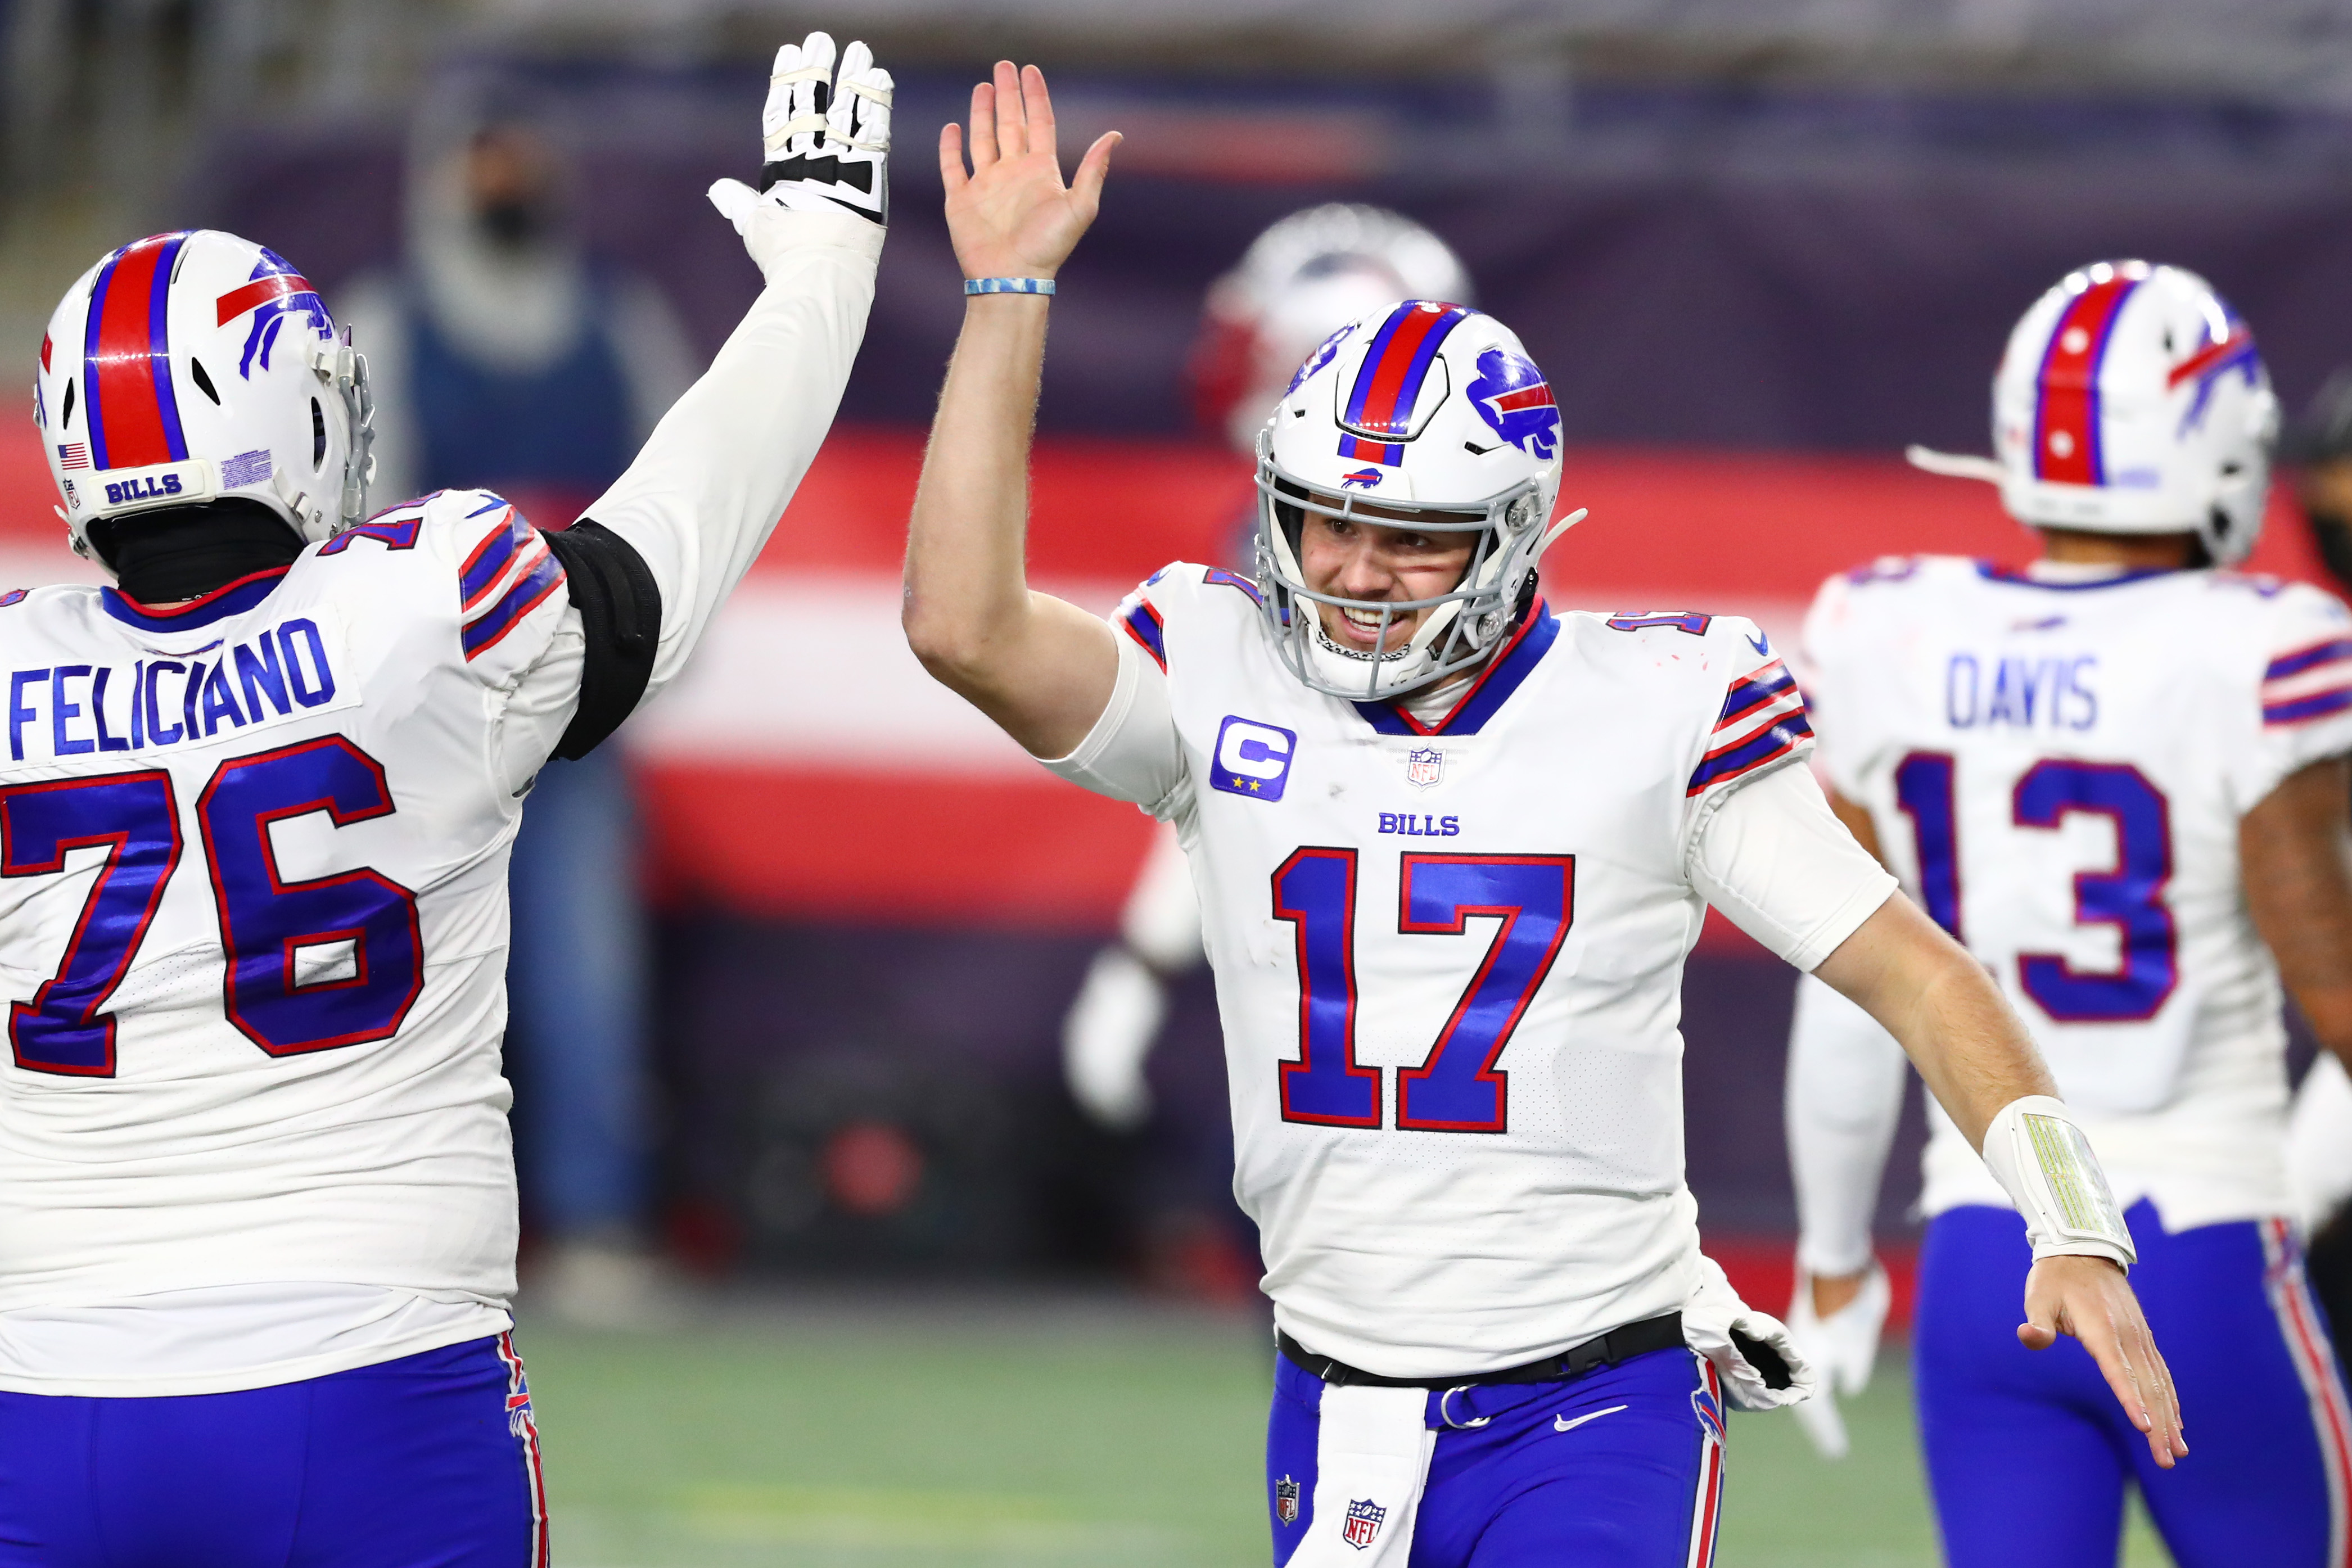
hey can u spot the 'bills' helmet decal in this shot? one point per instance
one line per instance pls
(133, 416)
(1366, 478)
(1513, 398)
(276, 292)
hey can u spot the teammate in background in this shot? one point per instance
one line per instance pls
(1457, 1112)
(2119, 776)
(1301, 280)
(256, 1200)
(2319, 1127)
(503, 358)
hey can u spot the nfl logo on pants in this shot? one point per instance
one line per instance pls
(1363, 1523)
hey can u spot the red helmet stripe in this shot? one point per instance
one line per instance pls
(2066, 404)
(1389, 383)
(134, 419)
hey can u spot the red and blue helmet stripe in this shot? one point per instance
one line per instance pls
(133, 416)
(2066, 447)
(1360, 450)
(1395, 365)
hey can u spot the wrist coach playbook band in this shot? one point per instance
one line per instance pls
(1008, 286)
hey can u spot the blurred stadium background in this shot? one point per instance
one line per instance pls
(927, 1312)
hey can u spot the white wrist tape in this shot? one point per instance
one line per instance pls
(2045, 1165)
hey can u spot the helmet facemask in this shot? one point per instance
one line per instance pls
(1462, 627)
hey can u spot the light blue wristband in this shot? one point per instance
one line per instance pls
(1008, 286)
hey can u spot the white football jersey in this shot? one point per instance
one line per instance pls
(252, 914)
(253, 901)
(1449, 959)
(2056, 764)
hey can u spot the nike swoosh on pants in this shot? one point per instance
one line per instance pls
(1561, 1423)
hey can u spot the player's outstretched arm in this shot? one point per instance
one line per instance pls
(1979, 1063)
(700, 500)
(1042, 669)
(2294, 855)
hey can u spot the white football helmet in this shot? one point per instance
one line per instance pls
(1435, 415)
(2132, 399)
(191, 367)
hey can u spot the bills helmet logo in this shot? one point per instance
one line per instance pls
(1423, 767)
(2234, 352)
(1709, 1411)
(1362, 1525)
(276, 293)
(1511, 395)
(1321, 357)
(1365, 478)
(1286, 1502)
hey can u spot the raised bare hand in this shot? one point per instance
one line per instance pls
(1011, 216)
(2089, 1299)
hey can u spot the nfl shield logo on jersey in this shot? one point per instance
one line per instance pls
(1424, 765)
(1363, 1523)
(1286, 1502)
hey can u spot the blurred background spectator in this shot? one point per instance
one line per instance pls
(505, 358)
(1757, 246)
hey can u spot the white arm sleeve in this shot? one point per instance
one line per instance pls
(1131, 753)
(1772, 856)
(704, 494)
(1844, 1097)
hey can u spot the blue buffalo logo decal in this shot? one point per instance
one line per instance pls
(1319, 358)
(276, 292)
(1511, 395)
(1367, 478)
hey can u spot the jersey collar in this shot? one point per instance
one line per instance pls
(2010, 574)
(1503, 675)
(230, 599)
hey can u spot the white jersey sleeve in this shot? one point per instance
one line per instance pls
(1780, 866)
(2305, 703)
(712, 480)
(1132, 753)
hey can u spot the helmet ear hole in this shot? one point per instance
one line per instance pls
(318, 434)
(203, 382)
(65, 420)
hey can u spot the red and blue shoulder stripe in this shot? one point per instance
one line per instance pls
(1762, 721)
(2309, 682)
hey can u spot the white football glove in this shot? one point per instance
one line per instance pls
(1760, 1365)
(1844, 1347)
(824, 137)
(1109, 1035)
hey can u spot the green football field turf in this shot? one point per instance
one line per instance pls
(875, 1432)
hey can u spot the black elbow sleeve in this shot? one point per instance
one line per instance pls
(620, 613)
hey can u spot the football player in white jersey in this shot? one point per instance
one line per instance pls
(2119, 776)
(256, 1193)
(1452, 850)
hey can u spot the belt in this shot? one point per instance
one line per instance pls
(1617, 1346)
